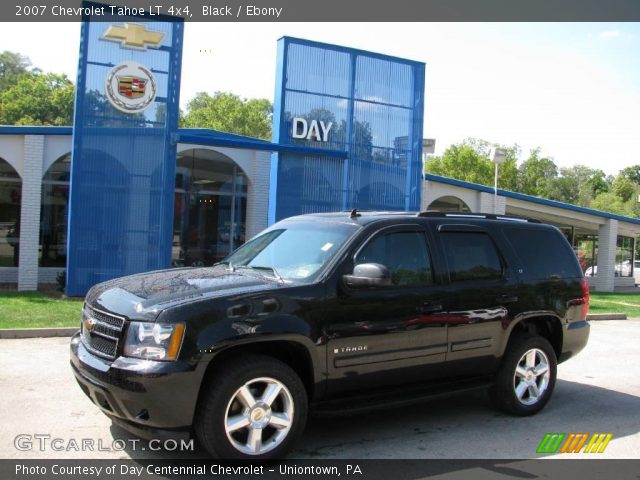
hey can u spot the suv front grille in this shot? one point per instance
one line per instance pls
(101, 332)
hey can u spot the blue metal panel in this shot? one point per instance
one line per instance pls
(29, 130)
(123, 164)
(374, 104)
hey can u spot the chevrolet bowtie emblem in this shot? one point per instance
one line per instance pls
(133, 36)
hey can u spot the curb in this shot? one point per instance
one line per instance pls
(37, 332)
(607, 316)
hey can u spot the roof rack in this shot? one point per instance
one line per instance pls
(488, 216)
(360, 213)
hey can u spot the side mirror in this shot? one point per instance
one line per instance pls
(368, 275)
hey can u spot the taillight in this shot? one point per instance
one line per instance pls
(585, 298)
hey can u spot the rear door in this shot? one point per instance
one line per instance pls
(481, 295)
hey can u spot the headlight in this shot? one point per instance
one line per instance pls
(153, 341)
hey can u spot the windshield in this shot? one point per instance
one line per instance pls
(296, 251)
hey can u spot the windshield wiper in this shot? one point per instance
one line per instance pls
(262, 267)
(232, 268)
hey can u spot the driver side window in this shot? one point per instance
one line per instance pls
(404, 254)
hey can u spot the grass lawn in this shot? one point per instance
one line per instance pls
(628, 303)
(36, 310)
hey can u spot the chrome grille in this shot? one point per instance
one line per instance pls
(101, 332)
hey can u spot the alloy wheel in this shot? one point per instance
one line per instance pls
(259, 416)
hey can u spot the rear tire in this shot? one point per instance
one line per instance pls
(256, 408)
(526, 378)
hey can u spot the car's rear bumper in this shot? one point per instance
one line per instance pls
(575, 337)
(148, 398)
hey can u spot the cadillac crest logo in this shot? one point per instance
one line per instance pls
(130, 87)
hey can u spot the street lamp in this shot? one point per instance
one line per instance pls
(497, 156)
(428, 147)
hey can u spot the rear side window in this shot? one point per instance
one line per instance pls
(471, 256)
(543, 253)
(404, 254)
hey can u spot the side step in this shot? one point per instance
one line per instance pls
(409, 396)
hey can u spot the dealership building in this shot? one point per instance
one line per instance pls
(125, 190)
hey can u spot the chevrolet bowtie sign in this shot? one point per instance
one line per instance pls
(133, 36)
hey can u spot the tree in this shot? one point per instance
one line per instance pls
(38, 99)
(469, 161)
(624, 188)
(632, 173)
(535, 174)
(610, 202)
(578, 185)
(229, 113)
(12, 66)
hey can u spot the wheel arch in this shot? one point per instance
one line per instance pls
(290, 350)
(546, 324)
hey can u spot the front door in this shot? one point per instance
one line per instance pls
(387, 335)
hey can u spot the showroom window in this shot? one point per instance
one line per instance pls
(54, 212)
(586, 248)
(624, 256)
(10, 193)
(210, 208)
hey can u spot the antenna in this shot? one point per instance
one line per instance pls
(354, 213)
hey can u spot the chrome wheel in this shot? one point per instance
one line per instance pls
(259, 416)
(531, 378)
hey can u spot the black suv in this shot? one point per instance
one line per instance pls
(335, 312)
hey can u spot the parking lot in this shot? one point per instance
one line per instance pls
(598, 391)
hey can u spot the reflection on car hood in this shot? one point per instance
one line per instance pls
(143, 296)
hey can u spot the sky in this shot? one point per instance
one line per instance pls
(572, 89)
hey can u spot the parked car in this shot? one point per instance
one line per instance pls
(340, 312)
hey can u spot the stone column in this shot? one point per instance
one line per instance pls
(486, 202)
(607, 237)
(258, 194)
(30, 212)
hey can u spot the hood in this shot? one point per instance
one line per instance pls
(144, 296)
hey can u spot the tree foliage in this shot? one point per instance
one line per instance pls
(535, 174)
(229, 113)
(469, 161)
(30, 97)
(12, 66)
(539, 176)
(38, 99)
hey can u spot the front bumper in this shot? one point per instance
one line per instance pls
(151, 399)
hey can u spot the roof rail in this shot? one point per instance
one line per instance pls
(489, 216)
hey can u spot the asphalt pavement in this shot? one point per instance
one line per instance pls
(597, 391)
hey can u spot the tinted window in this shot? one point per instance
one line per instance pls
(404, 254)
(543, 253)
(471, 256)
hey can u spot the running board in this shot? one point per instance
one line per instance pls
(381, 400)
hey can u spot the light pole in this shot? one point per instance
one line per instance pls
(428, 147)
(497, 156)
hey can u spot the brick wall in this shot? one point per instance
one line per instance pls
(30, 212)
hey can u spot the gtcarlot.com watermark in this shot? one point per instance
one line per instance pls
(42, 442)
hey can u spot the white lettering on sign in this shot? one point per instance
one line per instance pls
(314, 130)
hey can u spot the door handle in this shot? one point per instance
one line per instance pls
(506, 298)
(430, 308)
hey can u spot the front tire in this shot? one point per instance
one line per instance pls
(526, 378)
(256, 408)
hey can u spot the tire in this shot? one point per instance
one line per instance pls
(522, 386)
(256, 408)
